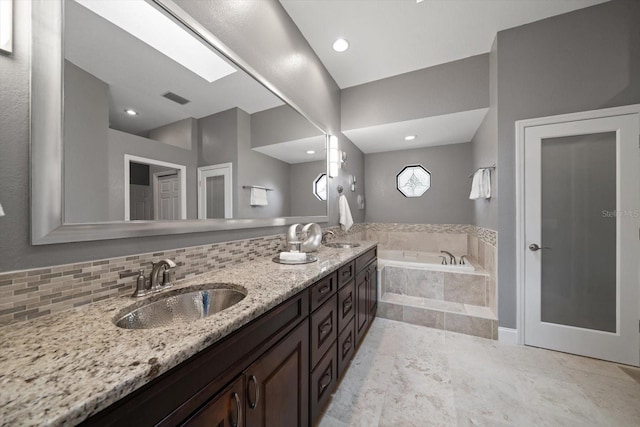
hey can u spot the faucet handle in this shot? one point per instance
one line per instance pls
(444, 260)
(166, 279)
(462, 258)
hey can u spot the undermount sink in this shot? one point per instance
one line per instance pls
(342, 245)
(186, 306)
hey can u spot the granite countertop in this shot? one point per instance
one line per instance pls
(62, 368)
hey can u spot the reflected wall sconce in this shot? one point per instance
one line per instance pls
(335, 156)
(6, 27)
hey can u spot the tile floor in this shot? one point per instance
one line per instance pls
(408, 375)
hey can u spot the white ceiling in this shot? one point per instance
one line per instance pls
(296, 151)
(390, 37)
(429, 131)
(138, 75)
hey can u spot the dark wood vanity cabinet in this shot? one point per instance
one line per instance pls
(224, 410)
(366, 292)
(277, 383)
(279, 370)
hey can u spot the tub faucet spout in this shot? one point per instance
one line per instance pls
(452, 259)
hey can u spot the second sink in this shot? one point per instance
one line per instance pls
(342, 245)
(187, 306)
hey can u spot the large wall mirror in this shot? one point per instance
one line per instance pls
(141, 127)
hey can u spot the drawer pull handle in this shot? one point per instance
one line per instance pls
(254, 380)
(325, 328)
(325, 381)
(347, 272)
(323, 290)
(347, 304)
(346, 346)
(238, 411)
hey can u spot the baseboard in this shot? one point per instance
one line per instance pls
(507, 335)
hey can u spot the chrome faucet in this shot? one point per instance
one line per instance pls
(146, 286)
(325, 233)
(452, 259)
(167, 264)
(462, 258)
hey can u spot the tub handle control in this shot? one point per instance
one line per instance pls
(444, 260)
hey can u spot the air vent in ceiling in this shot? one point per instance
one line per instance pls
(176, 98)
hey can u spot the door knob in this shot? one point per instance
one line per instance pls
(534, 247)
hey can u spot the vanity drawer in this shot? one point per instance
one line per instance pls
(346, 304)
(363, 260)
(346, 273)
(346, 346)
(323, 381)
(324, 329)
(322, 291)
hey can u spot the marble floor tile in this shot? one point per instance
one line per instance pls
(409, 375)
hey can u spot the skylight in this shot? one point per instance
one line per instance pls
(150, 25)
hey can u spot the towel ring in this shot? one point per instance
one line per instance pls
(340, 189)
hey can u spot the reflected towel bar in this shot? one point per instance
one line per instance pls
(485, 167)
(258, 186)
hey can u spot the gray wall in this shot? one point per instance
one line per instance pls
(448, 88)
(355, 166)
(259, 34)
(583, 60)
(255, 168)
(301, 177)
(280, 124)
(86, 124)
(182, 134)
(484, 146)
(121, 143)
(446, 202)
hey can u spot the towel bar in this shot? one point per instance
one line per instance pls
(485, 167)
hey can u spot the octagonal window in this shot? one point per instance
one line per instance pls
(413, 180)
(320, 187)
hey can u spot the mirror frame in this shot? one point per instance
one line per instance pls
(47, 136)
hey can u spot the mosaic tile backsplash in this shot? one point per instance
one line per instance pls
(28, 294)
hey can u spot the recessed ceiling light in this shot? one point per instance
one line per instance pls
(409, 137)
(340, 45)
(419, 1)
(311, 152)
(131, 112)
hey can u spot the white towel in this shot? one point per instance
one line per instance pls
(346, 221)
(481, 185)
(476, 184)
(1, 211)
(485, 188)
(259, 197)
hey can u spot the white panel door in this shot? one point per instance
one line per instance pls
(169, 197)
(582, 222)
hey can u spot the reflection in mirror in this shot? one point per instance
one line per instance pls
(149, 134)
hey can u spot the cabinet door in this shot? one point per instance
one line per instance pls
(372, 283)
(362, 306)
(277, 384)
(223, 410)
(324, 329)
(346, 305)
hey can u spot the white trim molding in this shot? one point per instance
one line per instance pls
(520, 127)
(507, 335)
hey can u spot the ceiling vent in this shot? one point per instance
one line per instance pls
(176, 98)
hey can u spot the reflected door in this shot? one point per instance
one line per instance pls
(215, 195)
(168, 197)
(582, 220)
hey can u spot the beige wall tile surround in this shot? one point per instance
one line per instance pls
(425, 284)
(465, 288)
(423, 317)
(32, 293)
(28, 294)
(469, 325)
